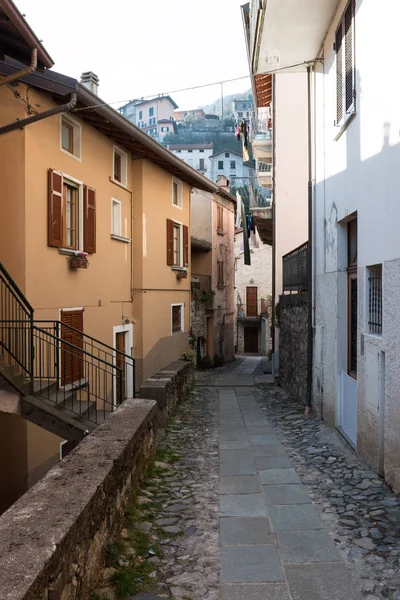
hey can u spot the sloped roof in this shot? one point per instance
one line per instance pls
(139, 102)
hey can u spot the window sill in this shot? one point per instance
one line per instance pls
(177, 206)
(68, 251)
(70, 154)
(120, 238)
(178, 268)
(118, 183)
(342, 128)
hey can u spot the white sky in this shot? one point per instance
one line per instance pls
(140, 48)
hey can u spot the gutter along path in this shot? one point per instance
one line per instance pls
(263, 502)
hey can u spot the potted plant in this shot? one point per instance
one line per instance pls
(182, 273)
(78, 260)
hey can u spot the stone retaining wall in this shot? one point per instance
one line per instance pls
(293, 344)
(52, 539)
(169, 387)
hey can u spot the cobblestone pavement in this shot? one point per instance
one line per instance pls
(263, 502)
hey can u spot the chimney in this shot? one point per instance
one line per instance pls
(90, 81)
(223, 183)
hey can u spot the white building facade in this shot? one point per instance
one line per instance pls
(230, 164)
(195, 155)
(355, 152)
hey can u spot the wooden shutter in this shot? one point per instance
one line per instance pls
(349, 56)
(89, 226)
(72, 367)
(170, 242)
(55, 209)
(185, 246)
(339, 73)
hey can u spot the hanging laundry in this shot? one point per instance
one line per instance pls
(237, 132)
(246, 249)
(238, 210)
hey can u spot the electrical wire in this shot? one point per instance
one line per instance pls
(159, 95)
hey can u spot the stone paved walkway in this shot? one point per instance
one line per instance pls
(266, 503)
(274, 545)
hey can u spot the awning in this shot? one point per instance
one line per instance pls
(263, 85)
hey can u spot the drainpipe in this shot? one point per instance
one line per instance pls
(310, 250)
(43, 115)
(32, 67)
(273, 223)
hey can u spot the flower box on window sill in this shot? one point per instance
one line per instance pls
(181, 274)
(78, 261)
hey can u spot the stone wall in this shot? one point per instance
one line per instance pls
(293, 344)
(52, 539)
(198, 319)
(169, 387)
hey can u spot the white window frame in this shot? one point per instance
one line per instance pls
(180, 265)
(349, 113)
(180, 193)
(68, 179)
(181, 304)
(124, 166)
(116, 228)
(77, 133)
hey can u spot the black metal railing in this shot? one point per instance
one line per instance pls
(295, 269)
(55, 361)
(15, 342)
(70, 377)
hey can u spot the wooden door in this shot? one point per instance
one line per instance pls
(251, 340)
(251, 301)
(120, 362)
(71, 358)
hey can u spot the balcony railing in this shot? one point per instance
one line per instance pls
(295, 269)
(261, 129)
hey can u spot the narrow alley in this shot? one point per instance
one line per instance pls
(262, 502)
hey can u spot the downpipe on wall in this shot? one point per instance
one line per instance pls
(310, 249)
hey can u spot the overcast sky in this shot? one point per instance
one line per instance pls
(143, 48)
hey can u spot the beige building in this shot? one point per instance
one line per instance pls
(253, 289)
(212, 248)
(94, 265)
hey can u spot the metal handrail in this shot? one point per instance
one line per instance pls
(27, 308)
(60, 323)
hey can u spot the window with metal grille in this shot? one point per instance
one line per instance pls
(345, 65)
(375, 299)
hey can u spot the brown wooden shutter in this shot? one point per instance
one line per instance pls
(185, 246)
(55, 209)
(170, 242)
(89, 229)
(72, 364)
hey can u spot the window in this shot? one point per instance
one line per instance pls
(152, 121)
(177, 244)
(176, 193)
(226, 154)
(220, 165)
(140, 115)
(151, 112)
(71, 214)
(119, 166)
(165, 130)
(201, 150)
(190, 162)
(220, 219)
(70, 136)
(177, 318)
(233, 165)
(240, 114)
(220, 273)
(115, 217)
(71, 219)
(375, 299)
(345, 66)
(201, 164)
(190, 150)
